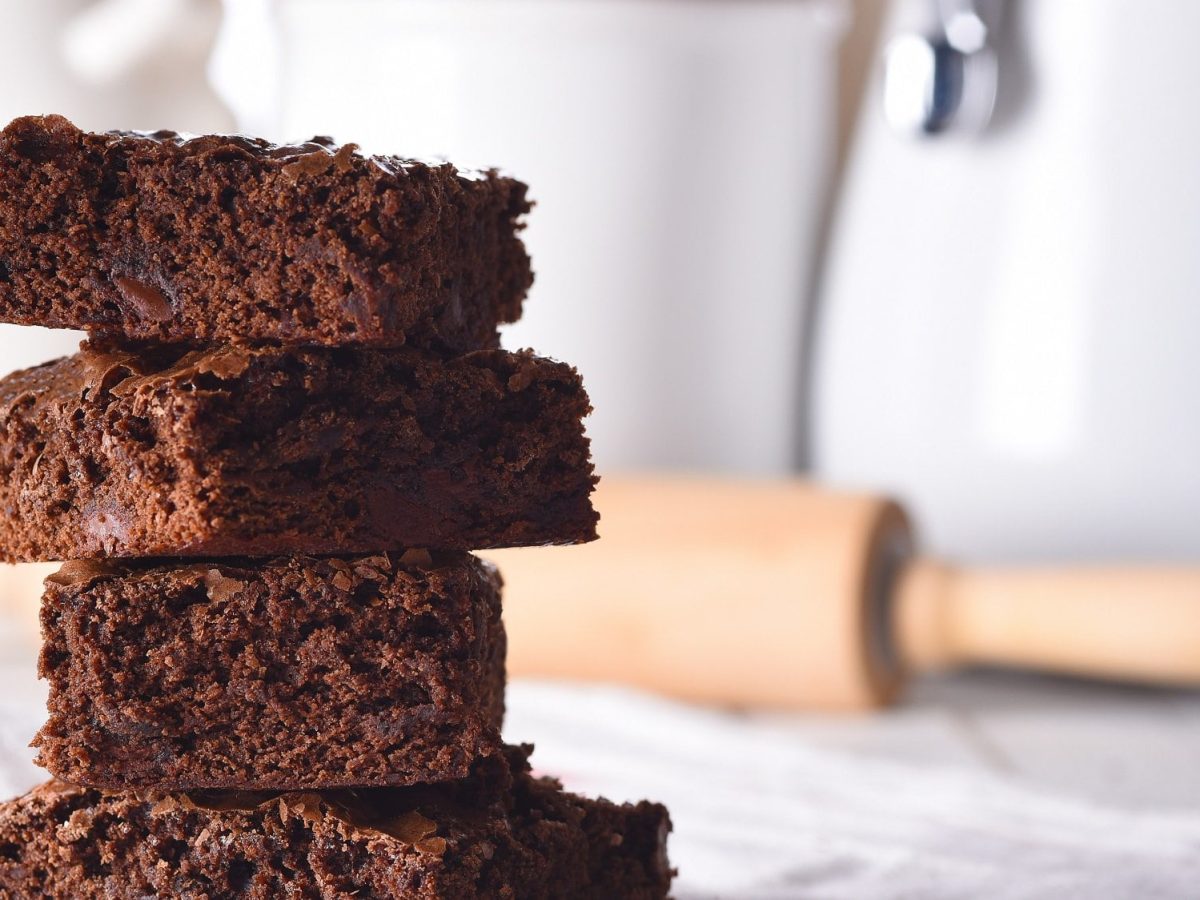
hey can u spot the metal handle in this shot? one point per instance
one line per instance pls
(942, 78)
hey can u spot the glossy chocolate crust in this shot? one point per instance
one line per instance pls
(292, 674)
(262, 452)
(521, 840)
(225, 238)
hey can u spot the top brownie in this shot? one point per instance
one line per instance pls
(226, 238)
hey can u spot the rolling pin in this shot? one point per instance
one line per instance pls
(785, 595)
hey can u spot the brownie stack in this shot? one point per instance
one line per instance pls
(275, 668)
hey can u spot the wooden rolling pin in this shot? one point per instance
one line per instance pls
(785, 595)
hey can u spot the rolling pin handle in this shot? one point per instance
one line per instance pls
(1130, 624)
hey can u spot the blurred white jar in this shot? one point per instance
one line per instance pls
(678, 151)
(110, 63)
(1011, 323)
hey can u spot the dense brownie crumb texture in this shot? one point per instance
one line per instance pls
(296, 673)
(259, 451)
(495, 834)
(275, 668)
(216, 238)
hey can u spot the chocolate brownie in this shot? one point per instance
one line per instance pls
(531, 841)
(293, 674)
(218, 238)
(257, 452)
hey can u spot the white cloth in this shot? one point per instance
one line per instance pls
(760, 814)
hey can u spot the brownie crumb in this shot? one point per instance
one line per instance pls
(232, 451)
(291, 674)
(220, 238)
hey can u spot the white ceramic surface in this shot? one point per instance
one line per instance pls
(678, 152)
(1011, 332)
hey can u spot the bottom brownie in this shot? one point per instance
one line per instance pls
(491, 835)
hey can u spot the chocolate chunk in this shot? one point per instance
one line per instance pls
(147, 302)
